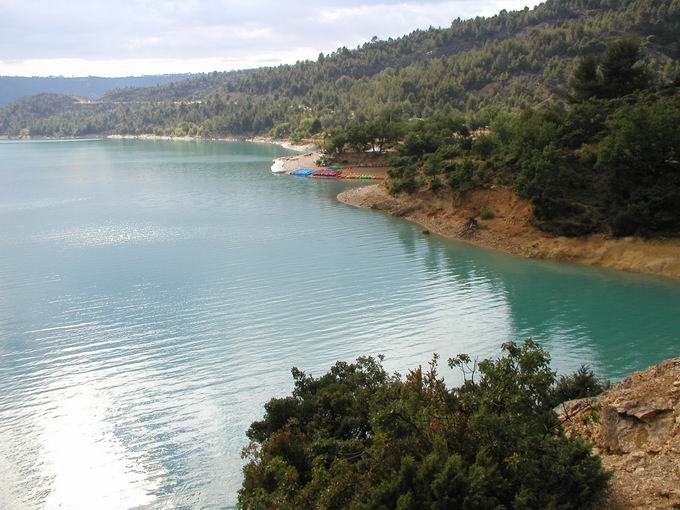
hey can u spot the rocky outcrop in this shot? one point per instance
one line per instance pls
(635, 428)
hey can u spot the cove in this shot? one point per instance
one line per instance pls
(154, 294)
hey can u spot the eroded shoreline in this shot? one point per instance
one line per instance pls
(510, 231)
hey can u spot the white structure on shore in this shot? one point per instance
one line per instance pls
(279, 166)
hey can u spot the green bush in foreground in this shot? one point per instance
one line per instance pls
(360, 438)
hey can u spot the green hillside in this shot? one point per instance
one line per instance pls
(512, 60)
(605, 160)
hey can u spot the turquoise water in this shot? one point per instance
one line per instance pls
(153, 295)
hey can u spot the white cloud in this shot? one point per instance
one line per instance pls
(86, 37)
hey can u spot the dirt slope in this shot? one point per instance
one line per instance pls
(511, 231)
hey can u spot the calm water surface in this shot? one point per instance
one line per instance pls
(153, 295)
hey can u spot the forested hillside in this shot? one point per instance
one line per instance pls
(509, 61)
(91, 87)
(605, 160)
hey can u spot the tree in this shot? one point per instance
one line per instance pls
(382, 134)
(585, 82)
(360, 438)
(358, 138)
(619, 72)
(622, 71)
(334, 142)
(641, 156)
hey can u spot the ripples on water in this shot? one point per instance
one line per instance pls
(153, 295)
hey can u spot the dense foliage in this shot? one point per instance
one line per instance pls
(512, 60)
(608, 160)
(360, 438)
(581, 384)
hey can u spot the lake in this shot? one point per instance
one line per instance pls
(154, 294)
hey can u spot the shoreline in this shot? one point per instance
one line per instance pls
(286, 144)
(510, 231)
(356, 167)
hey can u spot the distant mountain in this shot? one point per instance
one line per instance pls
(511, 61)
(91, 87)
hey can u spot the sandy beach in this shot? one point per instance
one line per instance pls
(286, 144)
(364, 164)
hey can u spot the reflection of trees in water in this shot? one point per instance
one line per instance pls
(614, 321)
(409, 238)
(463, 264)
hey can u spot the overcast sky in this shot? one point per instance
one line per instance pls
(135, 37)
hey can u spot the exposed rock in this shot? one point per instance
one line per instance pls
(647, 414)
(635, 428)
(567, 409)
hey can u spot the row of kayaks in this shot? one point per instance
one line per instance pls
(332, 172)
(362, 176)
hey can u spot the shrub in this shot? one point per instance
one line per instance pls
(360, 438)
(461, 178)
(487, 214)
(581, 384)
(323, 160)
(407, 184)
(281, 130)
(435, 184)
(484, 146)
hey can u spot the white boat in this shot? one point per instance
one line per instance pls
(279, 166)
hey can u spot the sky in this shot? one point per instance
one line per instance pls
(142, 37)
